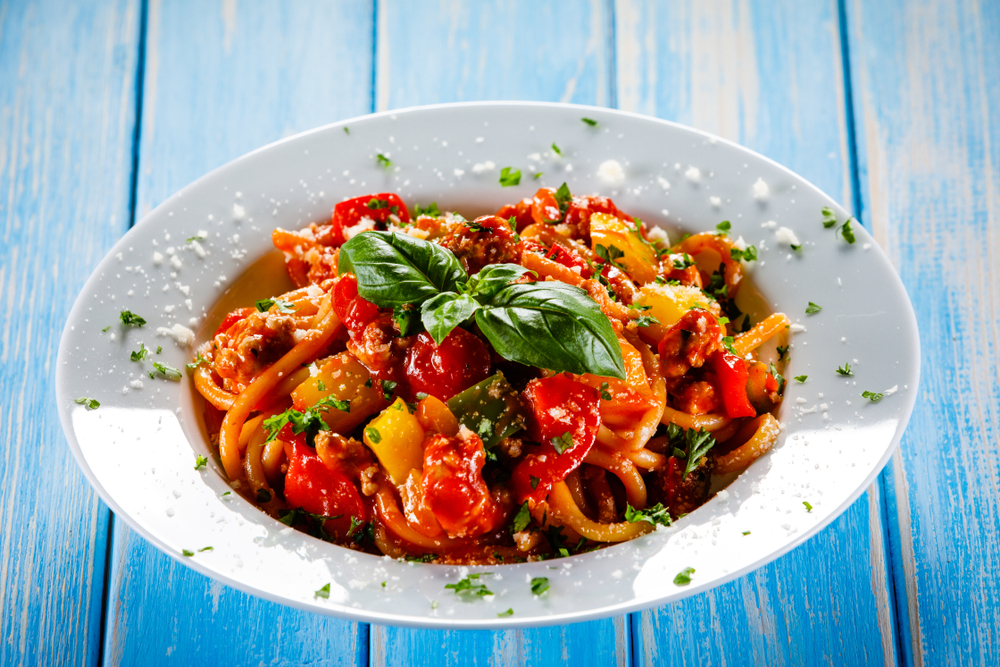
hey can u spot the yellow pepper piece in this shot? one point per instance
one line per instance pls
(396, 437)
(638, 258)
(346, 379)
(668, 303)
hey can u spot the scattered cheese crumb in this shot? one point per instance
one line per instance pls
(664, 183)
(178, 332)
(693, 174)
(239, 213)
(770, 224)
(459, 172)
(785, 235)
(797, 328)
(137, 384)
(483, 167)
(892, 390)
(611, 172)
(760, 190)
(157, 258)
(715, 201)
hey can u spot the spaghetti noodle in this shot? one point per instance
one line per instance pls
(530, 384)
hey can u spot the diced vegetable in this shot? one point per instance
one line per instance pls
(668, 303)
(319, 490)
(395, 437)
(733, 375)
(434, 416)
(490, 409)
(637, 257)
(629, 398)
(345, 378)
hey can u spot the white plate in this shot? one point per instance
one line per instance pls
(138, 449)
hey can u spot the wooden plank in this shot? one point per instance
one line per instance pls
(67, 114)
(222, 79)
(927, 86)
(769, 76)
(497, 50)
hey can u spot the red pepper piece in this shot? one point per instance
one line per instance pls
(378, 207)
(559, 405)
(732, 375)
(312, 486)
(354, 311)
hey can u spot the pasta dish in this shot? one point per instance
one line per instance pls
(531, 384)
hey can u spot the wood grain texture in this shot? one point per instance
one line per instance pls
(927, 88)
(470, 50)
(67, 114)
(221, 79)
(769, 76)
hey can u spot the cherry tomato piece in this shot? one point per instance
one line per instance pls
(460, 361)
(377, 207)
(232, 318)
(318, 489)
(521, 212)
(354, 311)
(453, 485)
(732, 375)
(545, 208)
(559, 405)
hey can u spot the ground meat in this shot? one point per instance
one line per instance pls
(310, 253)
(345, 455)
(486, 240)
(678, 494)
(689, 342)
(251, 345)
(695, 397)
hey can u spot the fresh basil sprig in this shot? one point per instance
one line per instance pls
(394, 269)
(549, 324)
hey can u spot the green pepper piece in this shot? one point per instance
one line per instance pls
(491, 409)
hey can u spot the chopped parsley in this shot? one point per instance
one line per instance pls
(309, 422)
(564, 198)
(610, 254)
(746, 532)
(199, 461)
(801, 378)
(195, 238)
(159, 349)
(657, 514)
(325, 591)
(846, 371)
(509, 177)
(690, 445)
(589, 121)
(375, 204)
(829, 217)
(782, 351)
(129, 318)
(872, 396)
(684, 262)
(563, 442)
(346, 130)
(264, 305)
(727, 342)
(844, 230)
(723, 227)
(509, 612)
(556, 149)
(605, 394)
(90, 403)
(539, 585)
(813, 308)
(683, 577)
(197, 362)
(203, 549)
(388, 388)
(779, 377)
(187, 552)
(646, 320)
(430, 210)
(470, 585)
(521, 519)
(534, 481)
(809, 507)
(263, 496)
(538, 175)
(141, 354)
(372, 433)
(105, 328)
(168, 372)
(478, 227)
(383, 161)
(320, 385)
(748, 255)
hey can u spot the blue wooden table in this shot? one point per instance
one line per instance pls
(109, 106)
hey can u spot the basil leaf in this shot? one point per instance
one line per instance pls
(552, 325)
(446, 311)
(493, 278)
(393, 269)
